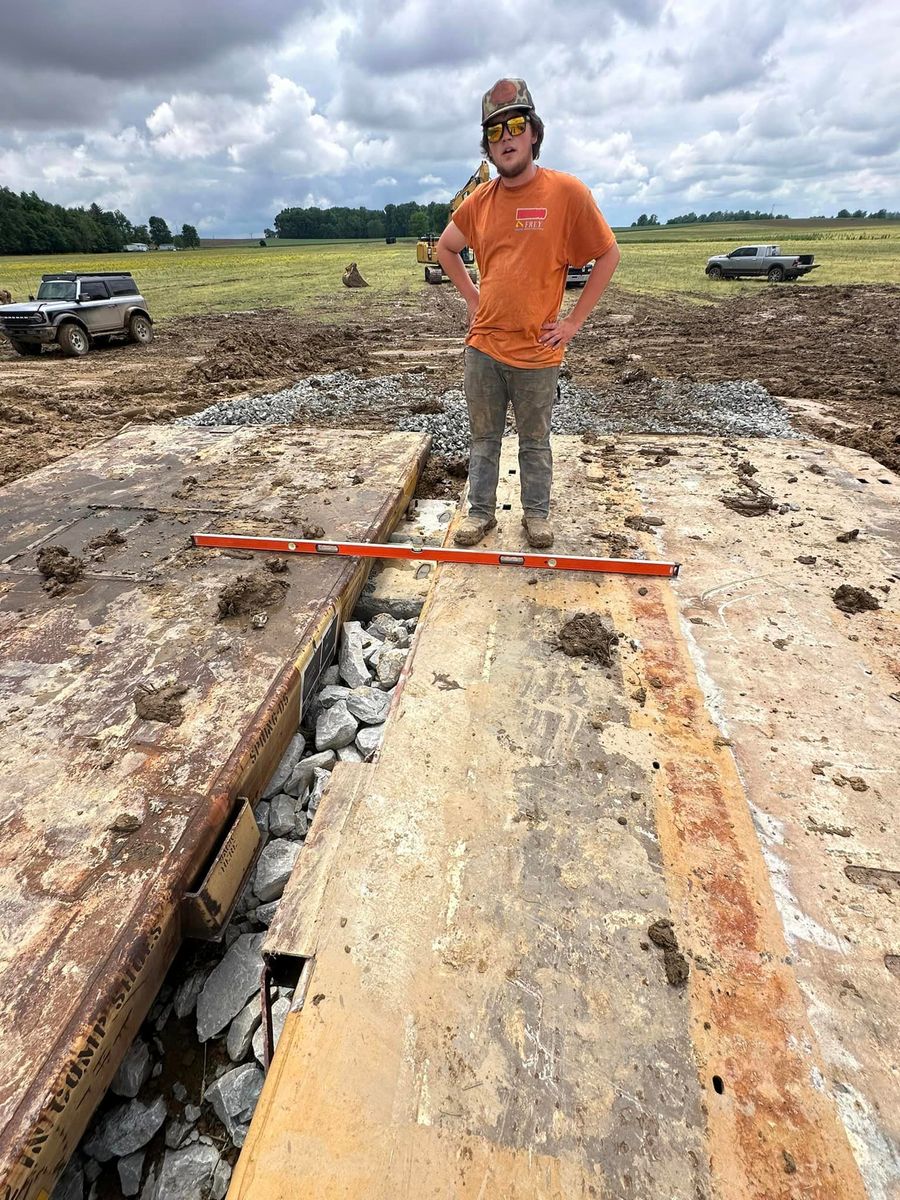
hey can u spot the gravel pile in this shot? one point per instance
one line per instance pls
(731, 407)
(164, 1140)
(736, 408)
(331, 397)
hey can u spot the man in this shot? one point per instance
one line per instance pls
(526, 227)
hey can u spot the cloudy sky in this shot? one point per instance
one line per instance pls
(222, 112)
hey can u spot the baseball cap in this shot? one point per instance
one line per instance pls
(504, 95)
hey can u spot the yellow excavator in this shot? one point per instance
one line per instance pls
(426, 247)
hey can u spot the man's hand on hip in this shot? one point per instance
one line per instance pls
(558, 333)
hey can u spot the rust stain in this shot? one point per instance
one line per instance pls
(756, 1053)
(97, 915)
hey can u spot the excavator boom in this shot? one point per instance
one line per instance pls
(426, 247)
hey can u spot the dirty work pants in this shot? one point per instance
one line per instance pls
(491, 386)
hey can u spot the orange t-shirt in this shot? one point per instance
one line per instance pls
(524, 238)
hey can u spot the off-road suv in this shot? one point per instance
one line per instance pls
(76, 310)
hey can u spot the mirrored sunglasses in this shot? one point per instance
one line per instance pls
(515, 126)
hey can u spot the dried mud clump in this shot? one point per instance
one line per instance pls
(850, 599)
(662, 935)
(749, 506)
(99, 546)
(644, 524)
(160, 703)
(59, 567)
(250, 593)
(588, 636)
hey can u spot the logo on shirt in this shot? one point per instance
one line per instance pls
(530, 218)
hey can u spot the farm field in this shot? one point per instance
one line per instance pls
(300, 276)
(249, 320)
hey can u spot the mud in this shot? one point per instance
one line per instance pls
(643, 524)
(442, 477)
(99, 546)
(850, 599)
(588, 636)
(750, 506)
(662, 935)
(253, 352)
(618, 545)
(249, 594)
(59, 567)
(125, 823)
(837, 346)
(161, 703)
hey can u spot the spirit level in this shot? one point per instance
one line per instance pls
(447, 554)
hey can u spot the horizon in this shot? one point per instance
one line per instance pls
(680, 104)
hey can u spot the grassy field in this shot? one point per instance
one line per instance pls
(304, 275)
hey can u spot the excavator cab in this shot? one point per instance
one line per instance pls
(426, 247)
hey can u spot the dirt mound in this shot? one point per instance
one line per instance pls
(832, 344)
(258, 352)
(588, 636)
(250, 593)
(59, 567)
(880, 439)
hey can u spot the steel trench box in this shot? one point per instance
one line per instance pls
(90, 918)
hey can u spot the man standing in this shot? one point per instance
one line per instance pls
(526, 227)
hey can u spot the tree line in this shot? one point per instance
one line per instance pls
(30, 225)
(394, 220)
(744, 214)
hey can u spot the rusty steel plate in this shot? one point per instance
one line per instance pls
(108, 818)
(616, 927)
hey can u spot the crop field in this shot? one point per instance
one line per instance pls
(307, 276)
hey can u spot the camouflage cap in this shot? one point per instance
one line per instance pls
(503, 96)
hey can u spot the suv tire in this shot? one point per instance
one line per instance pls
(140, 329)
(73, 341)
(715, 273)
(26, 349)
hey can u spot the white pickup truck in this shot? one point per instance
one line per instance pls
(759, 260)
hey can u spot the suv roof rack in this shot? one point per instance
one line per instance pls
(87, 275)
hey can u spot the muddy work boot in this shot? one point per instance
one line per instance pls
(473, 530)
(538, 530)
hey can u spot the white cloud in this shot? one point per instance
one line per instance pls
(657, 107)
